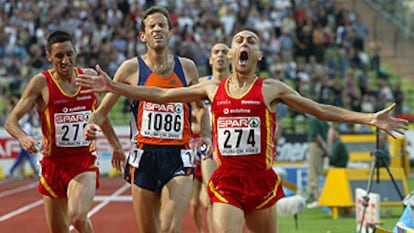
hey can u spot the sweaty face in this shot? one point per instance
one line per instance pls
(245, 51)
(62, 56)
(157, 32)
(218, 57)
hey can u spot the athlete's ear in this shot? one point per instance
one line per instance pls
(229, 54)
(48, 55)
(210, 60)
(259, 55)
(170, 34)
(142, 37)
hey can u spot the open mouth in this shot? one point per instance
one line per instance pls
(244, 56)
(157, 38)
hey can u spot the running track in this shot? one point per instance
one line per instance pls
(21, 208)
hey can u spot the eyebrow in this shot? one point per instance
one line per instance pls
(248, 37)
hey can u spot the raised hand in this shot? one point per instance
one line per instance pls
(99, 84)
(388, 123)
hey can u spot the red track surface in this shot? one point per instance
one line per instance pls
(21, 208)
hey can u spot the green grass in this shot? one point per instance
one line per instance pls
(317, 220)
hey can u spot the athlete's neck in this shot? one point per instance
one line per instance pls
(220, 75)
(157, 57)
(160, 63)
(241, 81)
(67, 78)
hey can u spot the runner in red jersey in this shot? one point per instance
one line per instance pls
(69, 176)
(160, 167)
(244, 128)
(243, 110)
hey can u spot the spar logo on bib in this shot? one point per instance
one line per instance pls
(75, 117)
(169, 107)
(238, 122)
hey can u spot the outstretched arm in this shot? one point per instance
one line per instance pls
(103, 83)
(275, 91)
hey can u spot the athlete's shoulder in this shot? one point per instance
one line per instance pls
(186, 62)
(272, 82)
(39, 78)
(131, 62)
(128, 68)
(190, 70)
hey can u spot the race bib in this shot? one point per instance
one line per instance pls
(187, 156)
(135, 156)
(69, 129)
(164, 121)
(239, 135)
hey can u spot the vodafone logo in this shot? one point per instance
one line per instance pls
(237, 110)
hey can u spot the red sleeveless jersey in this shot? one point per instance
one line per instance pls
(63, 120)
(161, 124)
(243, 128)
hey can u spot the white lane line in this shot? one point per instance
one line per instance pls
(21, 210)
(17, 190)
(120, 198)
(106, 201)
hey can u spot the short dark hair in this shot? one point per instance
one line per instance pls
(153, 10)
(58, 37)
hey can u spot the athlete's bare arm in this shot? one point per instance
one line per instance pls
(35, 93)
(275, 91)
(103, 83)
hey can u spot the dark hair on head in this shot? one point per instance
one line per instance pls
(153, 10)
(58, 37)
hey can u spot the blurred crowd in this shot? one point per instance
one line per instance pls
(319, 47)
(401, 10)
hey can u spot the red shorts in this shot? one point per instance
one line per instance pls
(246, 190)
(57, 173)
